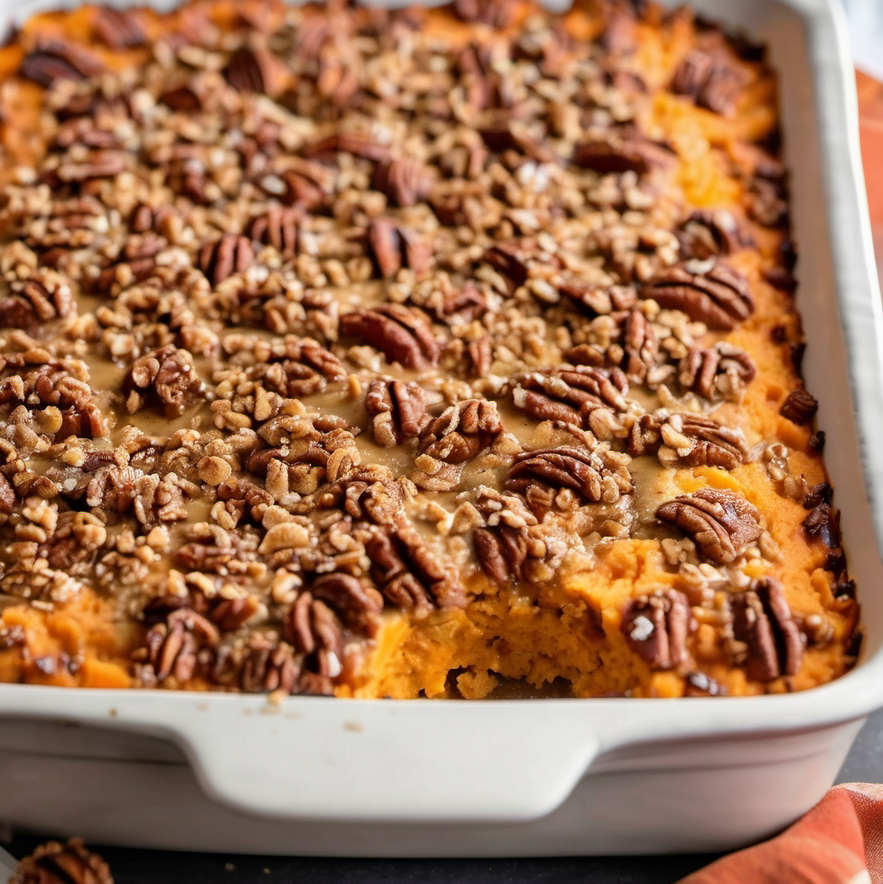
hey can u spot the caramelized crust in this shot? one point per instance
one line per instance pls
(443, 353)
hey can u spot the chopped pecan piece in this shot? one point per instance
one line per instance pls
(767, 201)
(226, 256)
(573, 395)
(397, 410)
(721, 523)
(657, 626)
(689, 440)
(182, 99)
(394, 246)
(461, 431)
(510, 261)
(598, 301)
(174, 648)
(408, 573)
(707, 234)
(709, 80)
(824, 522)
(718, 372)
(762, 620)
(717, 295)
(136, 261)
(297, 367)
(58, 61)
(34, 302)
(800, 406)
(357, 605)
(591, 474)
(404, 181)
(117, 28)
(278, 227)
(165, 378)
(55, 863)
(630, 152)
(400, 333)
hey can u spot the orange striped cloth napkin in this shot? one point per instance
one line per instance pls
(839, 841)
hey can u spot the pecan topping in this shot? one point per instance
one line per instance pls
(597, 301)
(763, 621)
(268, 667)
(357, 605)
(461, 431)
(630, 152)
(503, 546)
(824, 522)
(688, 440)
(177, 647)
(657, 626)
(117, 28)
(404, 181)
(721, 523)
(767, 202)
(55, 863)
(226, 256)
(394, 246)
(297, 367)
(408, 573)
(278, 228)
(715, 373)
(717, 295)
(182, 99)
(246, 71)
(594, 475)
(58, 61)
(316, 632)
(397, 410)
(573, 396)
(165, 378)
(641, 346)
(401, 334)
(709, 80)
(35, 301)
(706, 234)
(800, 406)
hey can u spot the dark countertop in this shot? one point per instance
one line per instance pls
(864, 764)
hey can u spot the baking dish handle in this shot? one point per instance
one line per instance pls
(440, 761)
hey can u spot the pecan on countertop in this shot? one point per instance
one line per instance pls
(721, 523)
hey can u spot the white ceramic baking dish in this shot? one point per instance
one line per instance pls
(313, 776)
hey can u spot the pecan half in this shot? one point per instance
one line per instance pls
(709, 80)
(404, 181)
(357, 605)
(165, 378)
(396, 409)
(247, 70)
(721, 523)
(297, 367)
(707, 234)
(408, 573)
(800, 406)
(393, 246)
(573, 395)
(599, 301)
(268, 666)
(628, 152)
(173, 649)
(657, 625)
(718, 372)
(717, 295)
(641, 346)
(591, 474)
(316, 632)
(117, 28)
(55, 863)
(495, 13)
(688, 440)
(461, 431)
(510, 261)
(220, 259)
(278, 227)
(763, 621)
(400, 333)
(58, 61)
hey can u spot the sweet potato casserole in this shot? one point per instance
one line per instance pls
(443, 353)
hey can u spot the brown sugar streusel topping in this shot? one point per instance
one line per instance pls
(326, 330)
